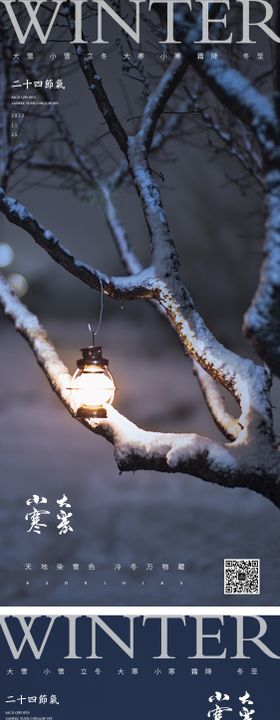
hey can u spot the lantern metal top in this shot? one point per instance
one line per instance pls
(92, 355)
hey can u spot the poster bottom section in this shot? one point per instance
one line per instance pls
(58, 666)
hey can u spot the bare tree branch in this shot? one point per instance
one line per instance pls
(6, 150)
(237, 93)
(116, 287)
(233, 89)
(96, 87)
(159, 98)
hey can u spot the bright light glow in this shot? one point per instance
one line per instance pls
(18, 283)
(93, 387)
(6, 255)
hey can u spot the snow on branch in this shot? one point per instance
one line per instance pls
(247, 382)
(29, 327)
(227, 424)
(164, 253)
(116, 287)
(262, 320)
(227, 465)
(127, 256)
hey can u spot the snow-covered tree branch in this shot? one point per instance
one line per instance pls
(250, 462)
(116, 287)
(244, 124)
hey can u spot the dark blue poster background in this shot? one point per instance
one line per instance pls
(142, 687)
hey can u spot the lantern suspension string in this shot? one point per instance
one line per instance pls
(90, 327)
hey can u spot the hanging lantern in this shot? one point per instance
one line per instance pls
(92, 384)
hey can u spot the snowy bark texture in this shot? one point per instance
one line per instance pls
(248, 456)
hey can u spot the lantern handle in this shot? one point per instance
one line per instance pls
(90, 327)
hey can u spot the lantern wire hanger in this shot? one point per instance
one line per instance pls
(92, 384)
(95, 331)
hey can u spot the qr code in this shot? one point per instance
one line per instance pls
(242, 577)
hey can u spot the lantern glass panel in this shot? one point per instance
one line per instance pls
(92, 387)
